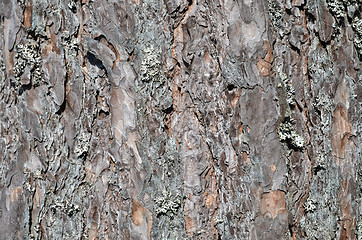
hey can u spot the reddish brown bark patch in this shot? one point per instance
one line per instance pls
(347, 215)
(273, 203)
(245, 157)
(190, 226)
(27, 15)
(138, 215)
(15, 193)
(264, 64)
(341, 129)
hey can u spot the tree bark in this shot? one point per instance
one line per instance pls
(180, 119)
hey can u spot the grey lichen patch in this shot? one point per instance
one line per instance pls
(72, 5)
(323, 104)
(21, 2)
(151, 66)
(275, 13)
(318, 64)
(359, 229)
(83, 144)
(71, 209)
(70, 44)
(168, 204)
(357, 27)
(171, 150)
(322, 205)
(337, 7)
(27, 67)
(288, 88)
(64, 206)
(152, 81)
(343, 8)
(288, 135)
(286, 131)
(310, 205)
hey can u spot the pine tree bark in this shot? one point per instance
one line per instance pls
(184, 119)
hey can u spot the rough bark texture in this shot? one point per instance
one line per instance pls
(180, 119)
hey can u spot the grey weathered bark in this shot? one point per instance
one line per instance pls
(176, 119)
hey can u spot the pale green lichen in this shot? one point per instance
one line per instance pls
(151, 79)
(286, 131)
(28, 62)
(275, 14)
(168, 204)
(337, 8)
(310, 205)
(323, 104)
(288, 88)
(288, 135)
(359, 230)
(340, 9)
(83, 144)
(71, 45)
(171, 150)
(357, 27)
(322, 205)
(151, 66)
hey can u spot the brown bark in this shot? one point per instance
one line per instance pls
(184, 119)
